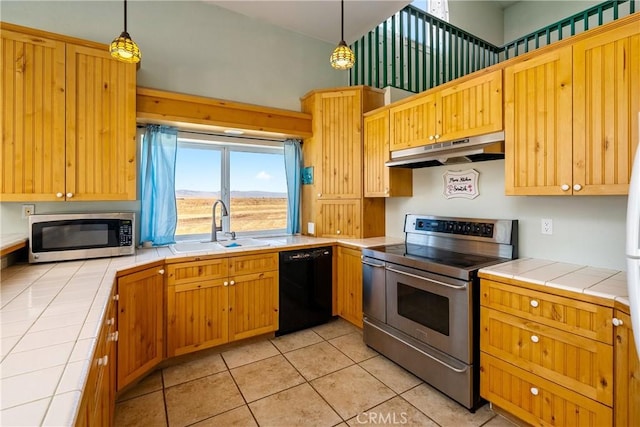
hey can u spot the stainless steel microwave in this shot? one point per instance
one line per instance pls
(62, 237)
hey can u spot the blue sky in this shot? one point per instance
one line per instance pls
(199, 170)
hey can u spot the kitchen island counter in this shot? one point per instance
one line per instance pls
(50, 318)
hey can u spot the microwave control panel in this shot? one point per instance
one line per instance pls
(126, 233)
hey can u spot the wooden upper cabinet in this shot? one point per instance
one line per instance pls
(32, 87)
(413, 123)
(339, 218)
(101, 126)
(380, 180)
(340, 125)
(468, 108)
(68, 119)
(606, 73)
(538, 114)
(472, 107)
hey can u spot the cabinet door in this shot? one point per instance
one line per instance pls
(253, 305)
(197, 316)
(473, 107)
(349, 288)
(538, 114)
(32, 89)
(101, 126)
(627, 375)
(339, 218)
(140, 324)
(606, 105)
(380, 180)
(413, 124)
(341, 130)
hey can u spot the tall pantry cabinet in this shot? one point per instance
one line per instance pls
(68, 117)
(334, 200)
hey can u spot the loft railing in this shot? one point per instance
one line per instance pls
(415, 51)
(580, 22)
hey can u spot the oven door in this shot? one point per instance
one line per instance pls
(432, 308)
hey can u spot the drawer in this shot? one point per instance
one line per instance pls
(186, 272)
(577, 317)
(535, 399)
(253, 264)
(578, 363)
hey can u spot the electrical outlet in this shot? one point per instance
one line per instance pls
(28, 210)
(547, 226)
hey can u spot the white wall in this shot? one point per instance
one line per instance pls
(197, 48)
(586, 230)
(483, 19)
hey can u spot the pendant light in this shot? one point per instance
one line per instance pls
(342, 57)
(123, 48)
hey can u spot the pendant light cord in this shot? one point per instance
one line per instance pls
(125, 16)
(341, 19)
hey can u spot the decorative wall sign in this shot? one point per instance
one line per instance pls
(462, 184)
(307, 175)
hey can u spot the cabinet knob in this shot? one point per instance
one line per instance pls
(225, 283)
(534, 338)
(386, 191)
(116, 297)
(59, 195)
(577, 187)
(161, 271)
(565, 187)
(233, 282)
(430, 137)
(437, 136)
(534, 391)
(534, 303)
(111, 321)
(69, 195)
(617, 322)
(104, 360)
(319, 194)
(338, 232)
(114, 336)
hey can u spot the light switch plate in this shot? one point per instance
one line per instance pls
(311, 228)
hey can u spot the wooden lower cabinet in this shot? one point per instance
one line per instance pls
(140, 307)
(349, 285)
(212, 302)
(627, 374)
(546, 359)
(98, 400)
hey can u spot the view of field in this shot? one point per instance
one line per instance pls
(247, 214)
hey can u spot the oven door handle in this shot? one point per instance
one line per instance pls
(415, 276)
(373, 265)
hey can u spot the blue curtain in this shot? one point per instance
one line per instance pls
(293, 170)
(158, 217)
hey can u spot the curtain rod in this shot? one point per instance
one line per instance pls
(256, 138)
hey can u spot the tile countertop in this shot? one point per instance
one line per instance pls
(9, 240)
(50, 317)
(600, 282)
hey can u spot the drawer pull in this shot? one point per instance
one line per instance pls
(111, 321)
(534, 391)
(616, 322)
(114, 336)
(226, 283)
(534, 303)
(161, 271)
(103, 360)
(534, 338)
(233, 282)
(116, 297)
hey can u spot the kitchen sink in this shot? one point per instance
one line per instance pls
(206, 246)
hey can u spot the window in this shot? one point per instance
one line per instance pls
(247, 174)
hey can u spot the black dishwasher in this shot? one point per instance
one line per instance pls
(305, 288)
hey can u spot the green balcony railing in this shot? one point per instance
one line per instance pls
(415, 51)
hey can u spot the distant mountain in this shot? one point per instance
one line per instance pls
(191, 194)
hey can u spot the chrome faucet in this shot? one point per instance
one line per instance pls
(224, 212)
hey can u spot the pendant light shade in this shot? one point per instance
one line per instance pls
(123, 48)
(342, 57)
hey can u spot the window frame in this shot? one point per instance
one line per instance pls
(226, 145)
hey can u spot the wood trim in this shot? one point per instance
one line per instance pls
(202, 113)
(46, 34)
(13, 248)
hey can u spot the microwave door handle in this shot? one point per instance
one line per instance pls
(427, 279)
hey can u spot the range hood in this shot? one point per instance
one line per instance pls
(473, 149)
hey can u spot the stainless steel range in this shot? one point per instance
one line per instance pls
(421, 298)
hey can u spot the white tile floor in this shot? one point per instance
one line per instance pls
(324, 376)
